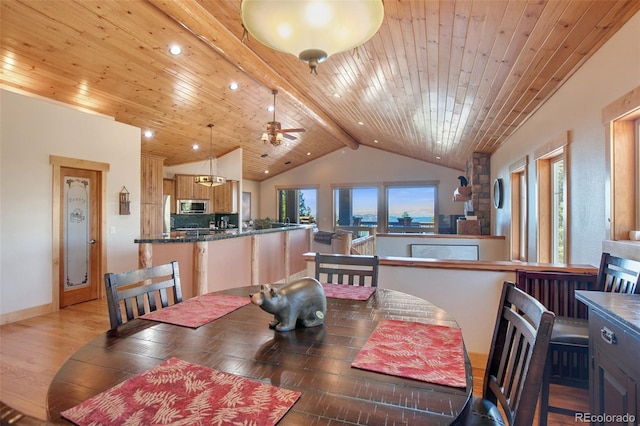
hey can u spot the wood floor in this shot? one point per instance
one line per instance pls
(32, 351)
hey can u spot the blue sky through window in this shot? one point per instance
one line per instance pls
(418, 202)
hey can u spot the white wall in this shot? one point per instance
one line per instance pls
(577, 107)
(489, 249)
(30, 131)
(364, 165)
(228, 165)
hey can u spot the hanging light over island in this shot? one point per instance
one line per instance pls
(211, 179)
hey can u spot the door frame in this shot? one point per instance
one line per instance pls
(57, 163)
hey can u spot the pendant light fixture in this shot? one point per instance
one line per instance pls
(210, 179)
(312, 30)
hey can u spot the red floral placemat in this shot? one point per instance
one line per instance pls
(177, 392)
(351, 292)
(427, 352)
(199, 310)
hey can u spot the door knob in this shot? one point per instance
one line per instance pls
(92, 241)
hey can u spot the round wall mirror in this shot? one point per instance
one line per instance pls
(497, 193)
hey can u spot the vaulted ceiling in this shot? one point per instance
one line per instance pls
(440, 79)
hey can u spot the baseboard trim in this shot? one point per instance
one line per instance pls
(23, 314)
(478, 360)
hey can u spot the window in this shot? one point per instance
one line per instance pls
(552, 201)
(519, 217)
(297, 205)
(411, 207)
(622, 123)
(557, 210)
(356, 206)
(393, 207)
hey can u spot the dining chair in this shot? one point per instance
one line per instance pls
(11, 416)
(141, 291)
(568, 359)
(556, 291)
(347, 269)
(516, 360)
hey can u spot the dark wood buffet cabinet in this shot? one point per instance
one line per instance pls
(614, 336)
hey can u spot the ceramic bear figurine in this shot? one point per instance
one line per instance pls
(301, 301)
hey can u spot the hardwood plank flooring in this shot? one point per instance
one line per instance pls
(32, 351)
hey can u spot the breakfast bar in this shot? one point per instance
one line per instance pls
(238, 257)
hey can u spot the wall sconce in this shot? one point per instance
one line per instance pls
(125, 204)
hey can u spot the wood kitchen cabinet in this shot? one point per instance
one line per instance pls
(188, 189)
(151, 191)
(220, 197)
(221, 200)
(614, 338)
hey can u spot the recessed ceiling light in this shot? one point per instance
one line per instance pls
(234, 86)
(438, 142)
(148, 133)
(195, 146)
(266, 172)
(438, 158)
(174, 49)
(337, 95)
(308, 153)
(376, 141)
(361, 123)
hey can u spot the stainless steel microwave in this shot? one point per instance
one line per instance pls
(193, 207)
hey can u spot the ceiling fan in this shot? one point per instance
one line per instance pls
(275, 133)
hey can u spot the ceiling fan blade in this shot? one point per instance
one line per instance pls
(290, 137)
(292, 130)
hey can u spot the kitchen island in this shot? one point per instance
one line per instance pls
(214, 261)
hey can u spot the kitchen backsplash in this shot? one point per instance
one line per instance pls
(201, 220)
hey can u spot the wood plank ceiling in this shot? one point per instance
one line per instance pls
(440, 80)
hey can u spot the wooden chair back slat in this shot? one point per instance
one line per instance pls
(556, 290)
(618, 275)
(347, 269)
(138, 292)
(518, 354)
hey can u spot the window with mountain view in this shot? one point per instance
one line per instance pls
(411, 207)
(356, 206)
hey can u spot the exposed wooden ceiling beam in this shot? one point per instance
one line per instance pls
(193, 17)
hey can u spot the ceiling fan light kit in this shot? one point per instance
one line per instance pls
(312, 30)
(275, 132)
(210, 179)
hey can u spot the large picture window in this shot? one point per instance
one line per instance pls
(356, 206)
(392, 207)
(411, 207)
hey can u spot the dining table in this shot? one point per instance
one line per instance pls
(314, 361)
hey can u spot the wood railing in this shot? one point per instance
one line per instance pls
(364, 245)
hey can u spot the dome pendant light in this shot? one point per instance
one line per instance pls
(210, 179)
(312, 30)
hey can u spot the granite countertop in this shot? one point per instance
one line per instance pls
(621, 308)
(188, 237)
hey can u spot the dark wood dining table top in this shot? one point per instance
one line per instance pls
(315, 361)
